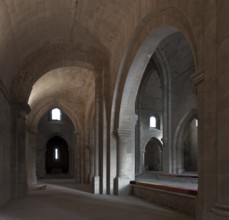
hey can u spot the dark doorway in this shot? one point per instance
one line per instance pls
(153, 153)
(190, 147)
(57, 156)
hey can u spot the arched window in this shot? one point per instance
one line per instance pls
(153, 122)
(56, 114)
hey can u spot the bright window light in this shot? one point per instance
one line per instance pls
(56, 114)
(196, 122)
(56, 154)
(153, 122)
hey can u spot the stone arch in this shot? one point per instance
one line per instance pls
(76, 58)
(32, 123)
(150, 31)
(178, 157)
(149, 104)
(33, 120)
(61, 165)
(153, 155)
(155, 27)
(30, 73)
(52, 134)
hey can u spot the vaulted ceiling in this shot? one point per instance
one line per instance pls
(38, 36)
(68, 87)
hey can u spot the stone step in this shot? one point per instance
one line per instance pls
(180, 178)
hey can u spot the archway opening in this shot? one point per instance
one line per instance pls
(149, 108)
(191, 147)
(161, 71)
(153, 155)
(57, 156)
(164, 97)
(60, 104)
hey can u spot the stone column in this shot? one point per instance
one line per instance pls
(21, 111)
(91, 164)
(198, 87)
(138, 151)
(125, 161)
(143, 161)
(71, 161)
(31, 157)
(98, 132)
(82, 157)
(222, 204)
(167, 133)
(78, 157)
(96, 181)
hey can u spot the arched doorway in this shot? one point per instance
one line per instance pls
(190, 147)
(153, 154)
(149, 109)
(175, 63)
(186, 142)
(57, 156)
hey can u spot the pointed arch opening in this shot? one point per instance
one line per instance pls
(153, 155)
(57, 156)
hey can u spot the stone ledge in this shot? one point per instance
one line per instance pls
(178, 201)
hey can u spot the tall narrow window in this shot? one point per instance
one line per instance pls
(153, 122)
(196, 122)
(56, 114)
(56, 156)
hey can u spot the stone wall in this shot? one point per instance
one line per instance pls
(7, 150)
(177, 201)
(48, 129)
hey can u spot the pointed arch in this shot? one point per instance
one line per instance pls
(178, 166)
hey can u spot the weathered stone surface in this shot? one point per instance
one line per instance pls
(89, 57)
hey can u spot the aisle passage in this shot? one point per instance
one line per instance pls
(64, 203)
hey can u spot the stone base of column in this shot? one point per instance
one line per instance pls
(37, 187)
(95, 185)
(22, 190)
(122, 186)
(32, 180)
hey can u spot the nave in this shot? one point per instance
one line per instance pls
(70, 201)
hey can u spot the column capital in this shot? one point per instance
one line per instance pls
(122, 132)
(22, 107)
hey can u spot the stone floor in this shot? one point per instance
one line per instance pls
(64, 201)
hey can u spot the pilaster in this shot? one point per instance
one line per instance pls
(125, 161)
(20, 163)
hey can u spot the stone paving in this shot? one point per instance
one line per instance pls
(63, 201)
